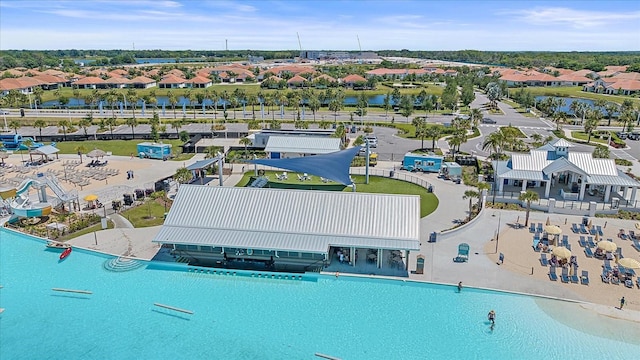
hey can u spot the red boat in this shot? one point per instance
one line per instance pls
(65, 253)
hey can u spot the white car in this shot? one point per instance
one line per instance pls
(372, 140)
(4, 112)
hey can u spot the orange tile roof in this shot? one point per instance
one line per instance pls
(584, 72)
(353, 78)
(142, 80)
(118, 80)
(199, 80)
(176, 72)
(118, 72)
(50, 79)
(90, 80)
(19, 83)
(54, 72)
(297, 80)
(172, 79)
(573, 78)
(627, 76)
(14, 72)
(625, 84)
(325, 76)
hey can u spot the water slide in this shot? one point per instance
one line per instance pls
(22, 206)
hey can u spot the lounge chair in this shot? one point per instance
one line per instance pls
(565, 275)
(593, 230)
(588, 252)
(632, 235)
(599, 229)
(604, 277)
(636, 245)
(622, 235)
(574, 278)
(552, 274)
(615, 280)
(628, 283)
(565, 239)
(574, 228)
(590, 241)
(638, 283)
(543, 259)
(607, 265)
(540, 229)
(536, 241)
(583, 229)
(568, 246)
(584, 279)
(300, 177)
(532, 228)
(619, 253)
(582, 242)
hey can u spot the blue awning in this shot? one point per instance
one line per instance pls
(333, 166)
(202, 164)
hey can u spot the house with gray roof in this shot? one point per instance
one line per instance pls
(556, 172)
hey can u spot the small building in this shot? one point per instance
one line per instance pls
(422, 162)
(290, 230)
(261, 138)
(154, 150)
(296, 146)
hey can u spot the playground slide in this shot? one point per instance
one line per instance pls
(22, 205)
(24, 186)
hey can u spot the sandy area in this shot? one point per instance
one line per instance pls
(520, 258)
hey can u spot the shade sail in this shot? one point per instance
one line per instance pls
(333, 166)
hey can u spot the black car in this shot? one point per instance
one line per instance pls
(488, 121)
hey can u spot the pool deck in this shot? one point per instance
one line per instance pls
(480, 271)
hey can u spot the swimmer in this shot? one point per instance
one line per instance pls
(460, 286)
(337, 274)
(492, 317)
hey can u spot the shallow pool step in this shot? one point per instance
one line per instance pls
(182, 259)
(122, 264)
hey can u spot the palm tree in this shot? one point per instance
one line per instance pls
(111, 122)
(215, 98)
(482, 186)
(112, 97)
(246, 142)
(610, 109)
(314, 103)
(192, 98)
(80, 149)
(528, 196)
(592, 123)
(64, 125)
(627, 117)
(40, 124)
(176, 124)
(133, 97)
(183, 175)
(132, 122)
(85, 122)
(495, 142)
(386, 104)
(252, 100)
(173, 100)
(476, 117)
(470, 194)
(15, 125)
(433, 133)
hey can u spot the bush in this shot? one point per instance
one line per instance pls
(623, 162)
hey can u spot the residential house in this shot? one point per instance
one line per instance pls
(199, 82)
(353, 81)
(172, 82)
(142, 82)
(91, 82)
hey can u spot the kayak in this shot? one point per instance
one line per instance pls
(65, 253)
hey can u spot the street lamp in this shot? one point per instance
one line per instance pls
(498, 230)
(125, 101)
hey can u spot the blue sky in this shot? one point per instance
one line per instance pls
(327, 24)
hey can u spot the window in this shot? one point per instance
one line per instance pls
(206, 249)
(431, 163)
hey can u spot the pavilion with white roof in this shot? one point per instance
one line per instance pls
(554, 166)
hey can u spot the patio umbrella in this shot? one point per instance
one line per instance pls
(561, 252)
(553, 230)
(590, 224)
(91, 197)
(95, 153)
(609, 246)
(638, 226)
(629, 263)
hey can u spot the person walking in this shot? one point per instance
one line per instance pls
(460, 286)
(622, 301)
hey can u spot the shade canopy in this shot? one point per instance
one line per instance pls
(96, 153)
(629, 263)
(607, 246)
(553, 229)
(333, 166)
(91, 197)
(561, 252)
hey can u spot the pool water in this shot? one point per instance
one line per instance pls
(248, 318)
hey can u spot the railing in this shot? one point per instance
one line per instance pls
(613, 203)
(396, 175)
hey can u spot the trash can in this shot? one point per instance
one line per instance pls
(391, 173)
(430, 188)
(433, 237)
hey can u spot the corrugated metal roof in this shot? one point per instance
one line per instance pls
(591, 166)
(524, 175)
(621, 179)
(302, 144)
(562, 143)
(534, 161)
(562, 164)
(202, 163)
(46, 150)
(299, 220)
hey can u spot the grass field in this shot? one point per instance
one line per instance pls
(90, 229)
(583, 136)
(139, 215)
(116, 147)
(379, 185)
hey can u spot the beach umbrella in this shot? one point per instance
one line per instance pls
(609, 246)
(561, 252)
(590, 224)
(597, 237)
(553, 230)
(548, 221)
(95, 153)
(91, 197)
(638, 226)
(629, 263)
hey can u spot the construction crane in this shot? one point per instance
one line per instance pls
(360, 47)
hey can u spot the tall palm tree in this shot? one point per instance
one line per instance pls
(470, 194)
(252, 100)
(85, 122)
(111, 123)
(495, 142)
(183, 175)
(80, 149)
(112, 97)
(433, 133)
(528, 196)
(610, 109)
(132, 122)
(133, 97)
(64, 125)
(314, 103)
(475, 116)
(40, 124)
(176, 124)
(173, 100)
(15, 125)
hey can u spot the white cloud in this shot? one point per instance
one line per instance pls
(572, 17)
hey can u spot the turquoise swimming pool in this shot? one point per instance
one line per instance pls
(247, 318)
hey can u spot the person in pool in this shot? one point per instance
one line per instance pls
(492, 316)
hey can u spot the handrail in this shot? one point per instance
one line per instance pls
(174, 308)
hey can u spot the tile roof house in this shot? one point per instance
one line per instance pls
(118, 82)
(297, 81)
(570, 174)
(172, 82)
(613, 86)
(529, 78)
(352, 80)
(142, 82)
(24, 85)
(572, 79)
(199, 82)
(91, 82)
(118, 73)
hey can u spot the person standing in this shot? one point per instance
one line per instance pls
(622, 301)
(460, 286)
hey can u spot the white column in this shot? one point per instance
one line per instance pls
(379, 258)
(406, 260)
(524, 185)
(547, 189)
(607, 192)
(633, 195)
(583, 186)
(500, 185)
(353, 256)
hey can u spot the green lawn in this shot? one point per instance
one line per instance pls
(576, 92)
(90, 229)
(519, 108)
(116, 147)
(380, 185)
(583, 136)
(139, 215)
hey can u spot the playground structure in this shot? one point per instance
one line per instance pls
(16, 200)
(17, 142)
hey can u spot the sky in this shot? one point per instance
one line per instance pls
(509, 25)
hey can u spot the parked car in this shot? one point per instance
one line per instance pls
(372, 140)
(622, 135)
(634, 136)
(488, 121)
(4, 112)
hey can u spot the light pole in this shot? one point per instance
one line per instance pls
(498, 230)
(125, 101)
